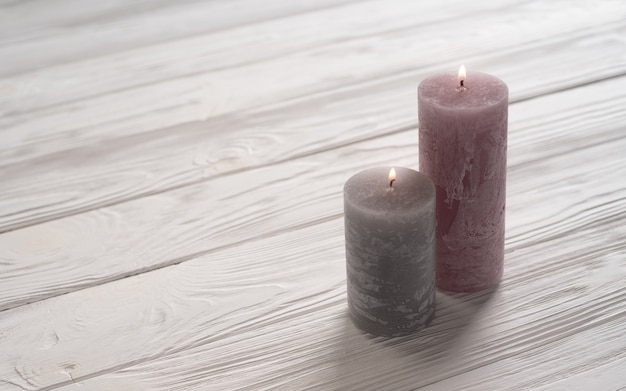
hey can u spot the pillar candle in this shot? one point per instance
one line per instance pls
(462, 148)
(390, 250)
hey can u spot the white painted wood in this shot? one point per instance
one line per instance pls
(110, 243)
(589, 360)
(199, 148)
(271, 313)
(301, 36)
(609, 376)
(115, 129)
(60, 31)
(230, 302)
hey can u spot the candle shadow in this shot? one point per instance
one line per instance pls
(359, 356)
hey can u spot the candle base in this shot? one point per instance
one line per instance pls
(394, 326)
(464, 278)
(452, 288)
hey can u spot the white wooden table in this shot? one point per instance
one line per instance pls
(171, 192)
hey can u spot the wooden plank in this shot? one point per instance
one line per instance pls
(236, 48)
(598, 374)
(590, 360)
(145, 161)
(125, 168)
(74, 81)
(253, 297)
(36, 37)
(271, 312)
(114, 242)
(609, 376)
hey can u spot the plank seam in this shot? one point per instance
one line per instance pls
(400, 129)
(192, 35)
(583, 324)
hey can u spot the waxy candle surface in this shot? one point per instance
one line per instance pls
(390, 250)
(462, 148)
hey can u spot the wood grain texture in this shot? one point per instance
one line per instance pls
(171, 211)
(153, 232)
(271, 313)
(61, 31)
(156, 121)
(287, 283)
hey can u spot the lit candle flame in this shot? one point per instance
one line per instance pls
(392, 176)
(462, 75)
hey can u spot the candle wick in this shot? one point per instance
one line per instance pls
(391, 183)
(462, 82)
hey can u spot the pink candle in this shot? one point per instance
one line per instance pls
(462, 148)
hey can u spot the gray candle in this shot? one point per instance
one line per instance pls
(390, 250)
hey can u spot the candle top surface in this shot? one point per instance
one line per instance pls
(370, 191)
(479, 90)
